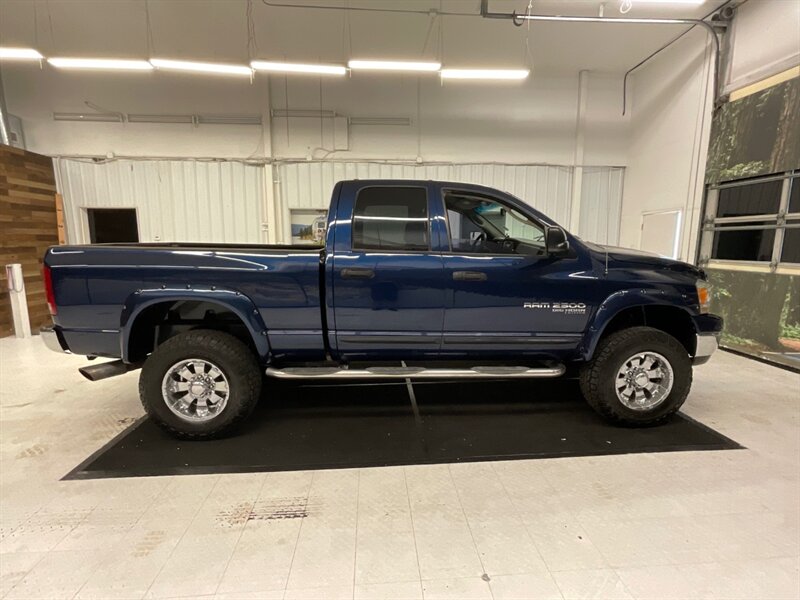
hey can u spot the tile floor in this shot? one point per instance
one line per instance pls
(675, 525)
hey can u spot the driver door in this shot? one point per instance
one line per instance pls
(499, 280)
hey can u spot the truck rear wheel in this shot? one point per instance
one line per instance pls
(638, 376)
(200, 384)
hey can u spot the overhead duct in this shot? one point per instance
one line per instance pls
(297, 113)
(185, 119)
(112, 117)
(89, 117)
(402, 121)
(229, 119)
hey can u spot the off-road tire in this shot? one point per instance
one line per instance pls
(233, 357)
(598, 377)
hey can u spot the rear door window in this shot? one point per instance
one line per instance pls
(391, 218)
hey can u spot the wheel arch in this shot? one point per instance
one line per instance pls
(145, 311)
(626, 309)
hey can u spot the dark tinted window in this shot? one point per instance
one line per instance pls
(791, 246)
(112, 225)
(744, 244)
(755, 199)
(794, 199)
(391, 218)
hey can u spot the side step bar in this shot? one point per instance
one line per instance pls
(554, 370)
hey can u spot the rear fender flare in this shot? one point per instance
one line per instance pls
(617, 302)
(231, 300)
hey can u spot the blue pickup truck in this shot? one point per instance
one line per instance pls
(416, 279)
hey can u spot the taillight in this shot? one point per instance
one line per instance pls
(48, 290)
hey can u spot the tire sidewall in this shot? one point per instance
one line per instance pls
(209, 346)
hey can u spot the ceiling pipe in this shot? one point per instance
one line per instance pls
(519, 19)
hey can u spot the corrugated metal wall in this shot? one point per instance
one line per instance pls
(180, 200)
(223, 201)
(547, 188)
(601, 203)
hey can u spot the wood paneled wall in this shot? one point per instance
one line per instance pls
(27, 227)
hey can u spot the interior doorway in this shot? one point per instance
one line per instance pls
(112, 225)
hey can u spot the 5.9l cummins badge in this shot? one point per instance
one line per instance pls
(567, 308)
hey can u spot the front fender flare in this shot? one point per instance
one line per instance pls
(619, 301)
(231, 300)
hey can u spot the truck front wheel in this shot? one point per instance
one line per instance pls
(638, 376)
(200, 384)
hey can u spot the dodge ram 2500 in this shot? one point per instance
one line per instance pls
(416, 279)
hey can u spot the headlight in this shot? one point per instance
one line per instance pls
(703, 295)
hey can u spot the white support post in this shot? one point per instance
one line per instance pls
(269, 224)
(19, 302)
(577, 172)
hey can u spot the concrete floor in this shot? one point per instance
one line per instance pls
(675, 525)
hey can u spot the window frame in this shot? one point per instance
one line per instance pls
(491, 198)
(354, 248)
(780, 222)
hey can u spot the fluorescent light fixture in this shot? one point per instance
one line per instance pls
(284, 67)
(19, 54)
(201, 67)
(100, 63)
(695, 2)
(394, 65)
(484, 73)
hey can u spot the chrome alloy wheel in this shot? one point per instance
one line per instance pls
(644, 381)
(195, 389)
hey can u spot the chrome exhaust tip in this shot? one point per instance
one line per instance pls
(106, 370)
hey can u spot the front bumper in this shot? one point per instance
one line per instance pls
(52, 339)
(706, 345)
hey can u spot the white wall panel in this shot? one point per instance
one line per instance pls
(176, 201)
(601, 199)
(308, 185)
(222, 201)
(671, 120)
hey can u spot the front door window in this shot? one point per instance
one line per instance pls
(486, 226)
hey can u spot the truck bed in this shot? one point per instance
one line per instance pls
(94, 285)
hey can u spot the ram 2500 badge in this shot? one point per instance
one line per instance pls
(448, 279)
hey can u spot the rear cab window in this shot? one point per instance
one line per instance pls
(391, 219)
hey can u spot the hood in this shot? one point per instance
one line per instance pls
(641, 258)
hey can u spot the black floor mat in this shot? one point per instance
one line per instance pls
(312, 426)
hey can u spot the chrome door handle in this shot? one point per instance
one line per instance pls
(469, 276)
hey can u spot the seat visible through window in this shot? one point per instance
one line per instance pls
(391, 218)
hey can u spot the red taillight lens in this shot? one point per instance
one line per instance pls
(48, 290)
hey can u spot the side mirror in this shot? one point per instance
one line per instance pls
(555, 241)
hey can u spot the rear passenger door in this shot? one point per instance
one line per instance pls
(387, 280)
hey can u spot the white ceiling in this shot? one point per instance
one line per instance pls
(217, 30)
